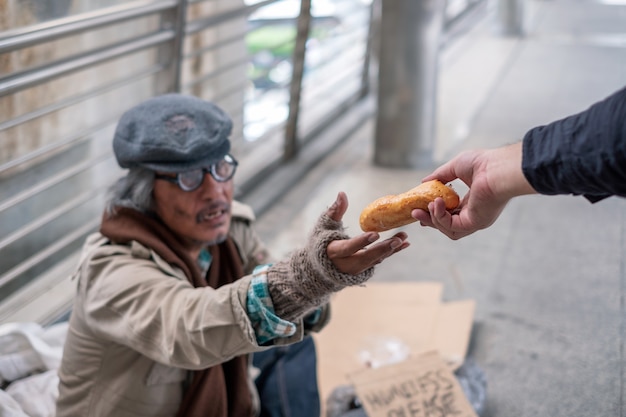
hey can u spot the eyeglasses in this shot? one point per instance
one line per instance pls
(221, 171)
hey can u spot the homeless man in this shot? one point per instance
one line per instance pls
(175, 293)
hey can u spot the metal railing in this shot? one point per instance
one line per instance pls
(65, 81)
(283, 70)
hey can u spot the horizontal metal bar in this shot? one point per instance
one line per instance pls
(54, 180)
(351, 38)
(338, 111)
(331, 88)
(77, 138)
(230, 92)
(215, 73)
(79, 98)
(347, 40)
(200, 1)
(32, 294)
(221, 70)
(329, 84)
(21, 38)
(201, 24)
(221, 43)
(19, 81)
(50, 216)
(273, 130)
(283, 86)
(48, 252)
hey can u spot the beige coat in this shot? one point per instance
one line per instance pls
(137, 325)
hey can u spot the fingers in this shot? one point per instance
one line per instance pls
(455, 224)
(387, 247)
(351, 246)
(351, 256)
(445, 173)
(422, 216)
(437, 217)
(339, 207)
(460, 167)
(355, 255)
(441, 218)
(480, 206)
(436, 214)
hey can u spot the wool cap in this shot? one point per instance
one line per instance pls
(172, 133)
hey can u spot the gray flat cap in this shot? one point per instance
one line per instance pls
(172, 133)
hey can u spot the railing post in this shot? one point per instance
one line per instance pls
(295, 89)
(171, 54)
(407, 82)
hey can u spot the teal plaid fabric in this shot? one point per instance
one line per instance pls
(267, 325)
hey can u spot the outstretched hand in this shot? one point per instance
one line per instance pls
(353, 256)
(493, 176)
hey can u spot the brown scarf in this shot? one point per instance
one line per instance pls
(219, 391)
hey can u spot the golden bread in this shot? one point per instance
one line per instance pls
(392, 211)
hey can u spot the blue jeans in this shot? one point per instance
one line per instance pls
(287, 384)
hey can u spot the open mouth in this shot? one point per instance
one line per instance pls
(212, 214)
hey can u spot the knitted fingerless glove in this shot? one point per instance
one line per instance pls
(306, 279)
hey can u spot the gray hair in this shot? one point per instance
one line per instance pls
(134, 190)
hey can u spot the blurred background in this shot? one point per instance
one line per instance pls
(362, 96)
(285, 71)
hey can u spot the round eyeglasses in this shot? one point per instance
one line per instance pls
(221, 171)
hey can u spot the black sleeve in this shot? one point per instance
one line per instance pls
(583, 154)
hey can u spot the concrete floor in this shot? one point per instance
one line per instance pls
(549, 277)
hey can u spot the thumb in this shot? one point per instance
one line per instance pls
(339, 207)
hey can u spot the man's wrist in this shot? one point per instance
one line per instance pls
(508, 179)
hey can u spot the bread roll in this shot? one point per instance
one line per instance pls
(393, 211)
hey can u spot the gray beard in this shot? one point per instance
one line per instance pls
(220, 239)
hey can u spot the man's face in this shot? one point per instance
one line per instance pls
(198, 217)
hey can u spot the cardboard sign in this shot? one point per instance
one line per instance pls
(381, 314)
(422, 386)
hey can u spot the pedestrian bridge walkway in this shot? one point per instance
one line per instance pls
(549, 278)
